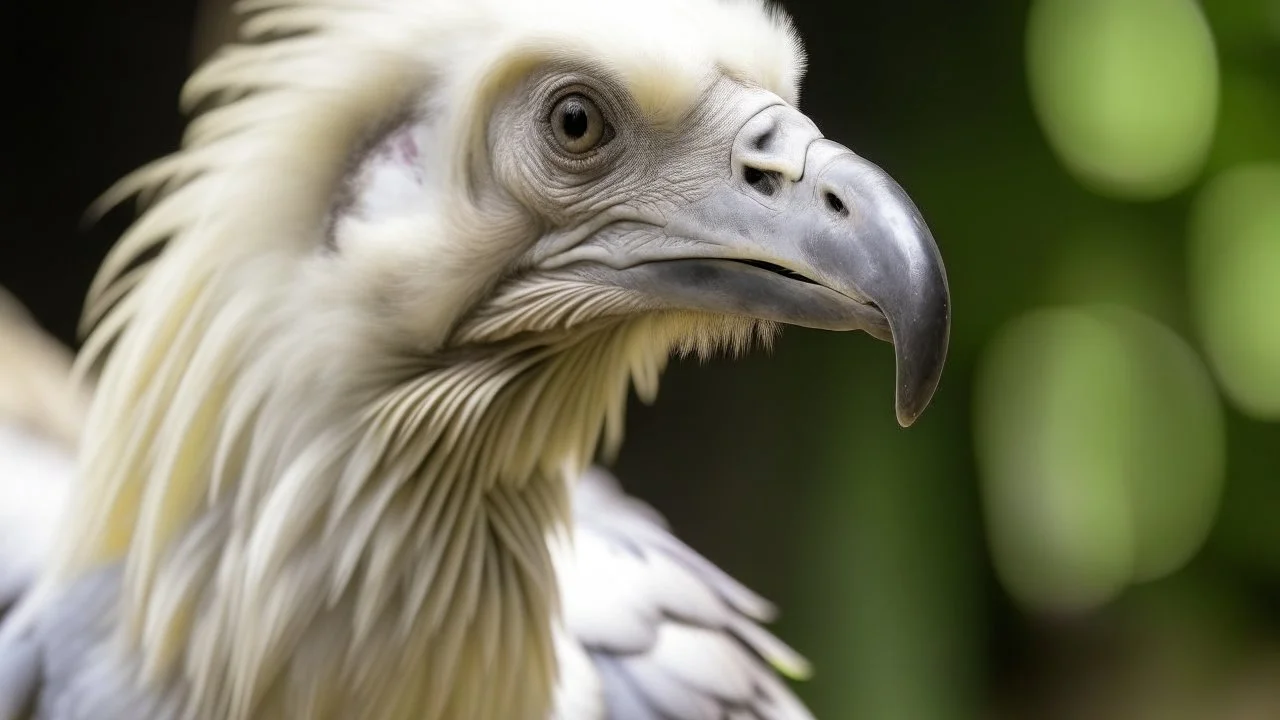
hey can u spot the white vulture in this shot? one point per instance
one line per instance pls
(376, 320)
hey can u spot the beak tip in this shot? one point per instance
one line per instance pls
(909, 410)
(918, 377)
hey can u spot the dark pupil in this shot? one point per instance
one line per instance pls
(575, 121)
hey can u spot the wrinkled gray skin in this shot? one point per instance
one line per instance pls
(741, 209)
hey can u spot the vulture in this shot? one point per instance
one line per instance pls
(331, 448)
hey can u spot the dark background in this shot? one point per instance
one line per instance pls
(879, 544)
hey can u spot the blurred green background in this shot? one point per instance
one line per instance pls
(1086, 523)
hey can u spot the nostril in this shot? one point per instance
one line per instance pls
(835, 204)
(764, 181)
(763, 139)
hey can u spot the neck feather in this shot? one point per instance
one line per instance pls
(307, 526)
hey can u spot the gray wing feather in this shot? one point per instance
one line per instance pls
(19, 675)
(672, 636)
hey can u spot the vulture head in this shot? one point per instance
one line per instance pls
(584, 171)
(406, 267)
(467, 177)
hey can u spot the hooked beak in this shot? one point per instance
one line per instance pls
(808, 233)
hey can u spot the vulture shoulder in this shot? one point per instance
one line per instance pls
(669, 635)
(40, 416)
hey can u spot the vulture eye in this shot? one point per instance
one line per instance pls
(578, 124)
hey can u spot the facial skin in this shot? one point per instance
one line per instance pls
(737, 207)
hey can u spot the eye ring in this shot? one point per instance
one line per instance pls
(578, 124)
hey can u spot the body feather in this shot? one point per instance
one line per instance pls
(650, 629)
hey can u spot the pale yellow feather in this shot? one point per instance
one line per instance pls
(375, 516)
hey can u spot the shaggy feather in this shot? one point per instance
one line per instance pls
(304, 496)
